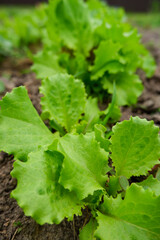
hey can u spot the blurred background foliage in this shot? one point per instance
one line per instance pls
(23, 25)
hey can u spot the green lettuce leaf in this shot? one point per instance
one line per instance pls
(136, 217)
(158, 174)
(85, 164)
(73, 24)
(46, 64)
(87, 233)
(112, 112)
(113, 186)
(135, 147)
(93, 201)
(100, 137)
(21, 128)
(64, 99)
(38, 192)
(151, 183)
(105, 56)
(92, 113)
(148, 65)
(128, 87)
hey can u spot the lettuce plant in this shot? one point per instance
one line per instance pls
(64, 104)
(59, 174)
(93, 42)
(19, 28)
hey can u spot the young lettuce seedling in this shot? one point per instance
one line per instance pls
(66, 105)
(72, 171)
(92, 42)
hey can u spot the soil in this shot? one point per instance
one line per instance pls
(14, 225)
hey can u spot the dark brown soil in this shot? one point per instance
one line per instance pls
(13, 224)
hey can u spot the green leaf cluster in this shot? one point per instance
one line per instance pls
(78, 161)
(92, 42)
(21, 27)
(71, 168)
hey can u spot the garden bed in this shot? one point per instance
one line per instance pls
(13, 224)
